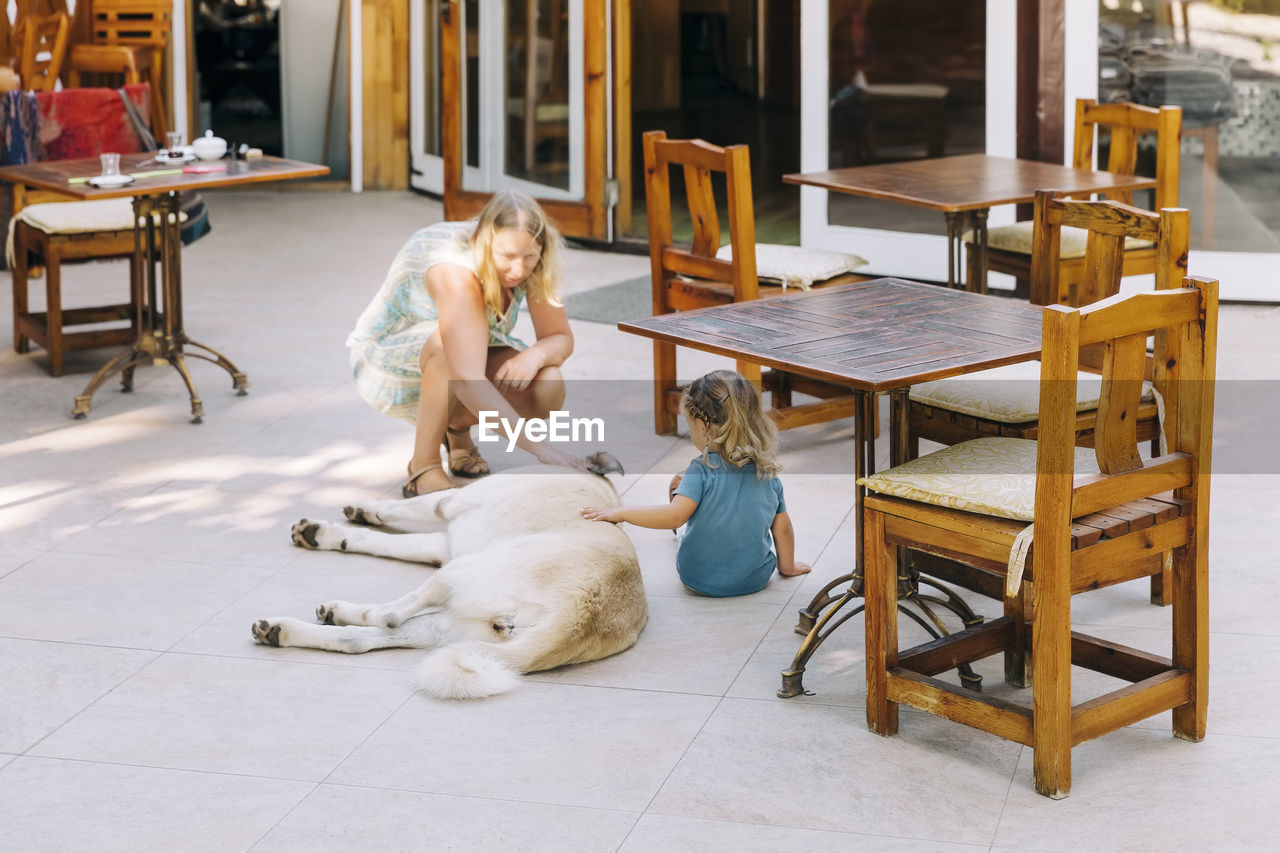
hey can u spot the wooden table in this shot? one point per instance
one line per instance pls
(877, 336)
(156, 209)
(965, 188)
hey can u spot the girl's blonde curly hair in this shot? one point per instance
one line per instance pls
(515, 209)
(737, 427)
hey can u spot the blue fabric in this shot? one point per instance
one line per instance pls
(727, 548)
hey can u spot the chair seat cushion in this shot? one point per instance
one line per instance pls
(81, 217)
(1017, 238)
(796, 266)
(992, 476)
(1008, 395)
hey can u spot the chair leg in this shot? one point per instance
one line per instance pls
(1051, 684)
(664, 380)
(53, 309)
(21, 343)
(880, 588)
(751, 372)
(1191, 635)
(1017, 663)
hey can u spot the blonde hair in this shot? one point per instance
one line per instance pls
(515, 209)
(736, 423)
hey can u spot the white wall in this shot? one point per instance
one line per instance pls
(307, 30)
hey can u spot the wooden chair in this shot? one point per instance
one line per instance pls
(1066, 558)
(41, 47)
(129, 39)
(707, 274)
(1009, 246)
(989, 403)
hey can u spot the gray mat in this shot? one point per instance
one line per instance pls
(627, 300)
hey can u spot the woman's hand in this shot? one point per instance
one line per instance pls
(517, 372)
(613, 516)
(549, 455)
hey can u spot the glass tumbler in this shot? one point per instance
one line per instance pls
(110, 165)
(175, 140)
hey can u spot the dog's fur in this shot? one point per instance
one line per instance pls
(524, 584)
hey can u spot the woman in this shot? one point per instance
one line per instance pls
(435, 345)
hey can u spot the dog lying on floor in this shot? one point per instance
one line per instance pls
(525, 582)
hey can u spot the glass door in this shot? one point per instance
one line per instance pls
(512, 95)
(889, 82)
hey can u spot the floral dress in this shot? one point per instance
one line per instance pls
(388, 338)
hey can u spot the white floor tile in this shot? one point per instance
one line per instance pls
(78, 805)
(46, 684)
(343, 818)
(260, 718)
(759, 762)
(130, 601)
(556, 744)
(663, 834)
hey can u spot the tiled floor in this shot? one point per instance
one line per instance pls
(136, 549)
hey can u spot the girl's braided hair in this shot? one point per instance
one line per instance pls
(737, 427)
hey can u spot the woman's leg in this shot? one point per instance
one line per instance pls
(434, 404)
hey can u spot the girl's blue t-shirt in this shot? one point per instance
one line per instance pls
(727, 548)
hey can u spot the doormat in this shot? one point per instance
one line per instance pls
(626, 300)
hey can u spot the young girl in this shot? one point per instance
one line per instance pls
(730, 497)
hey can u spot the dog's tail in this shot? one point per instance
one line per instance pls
(465, 670)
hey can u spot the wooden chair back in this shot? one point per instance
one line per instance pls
(1109, 224)
(131, 22)
(42, 47)
(670, 264)
(1184, 323)
(1126, 122)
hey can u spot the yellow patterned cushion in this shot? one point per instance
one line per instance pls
(796, 266)
(82, 217)
(1010, 394)
(992, 476)
(1017, 238)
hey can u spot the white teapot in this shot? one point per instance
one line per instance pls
(209, 147)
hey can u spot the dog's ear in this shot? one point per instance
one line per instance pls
(603, 462)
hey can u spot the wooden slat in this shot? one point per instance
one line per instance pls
(1129, 704)
(1147, 310)
(988, 713)
(1116, 434)
(947, 653)
(1114, 560)
(1114, 659)
(1098, 492)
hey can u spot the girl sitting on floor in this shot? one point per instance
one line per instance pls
(730, 497)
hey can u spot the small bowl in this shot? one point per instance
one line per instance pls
(209, 147)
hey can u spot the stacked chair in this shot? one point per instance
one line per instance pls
(706, 274)
(1042, 516)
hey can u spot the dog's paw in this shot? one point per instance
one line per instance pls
(318, 535)
(266, 633)
(362, 515)
(325, 614)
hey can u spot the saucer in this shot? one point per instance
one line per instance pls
(107, 181)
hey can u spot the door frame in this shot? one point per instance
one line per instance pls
(586, 218)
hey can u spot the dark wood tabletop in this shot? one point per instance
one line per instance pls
(56, 175)
(964, 182)
(875, 336)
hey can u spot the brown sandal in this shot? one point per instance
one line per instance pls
(464, 463)
(410, 487)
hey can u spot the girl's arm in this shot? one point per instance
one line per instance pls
(660, 517)
(784, 540)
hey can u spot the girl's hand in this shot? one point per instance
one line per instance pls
(614, 515)
(549, 455)
(517, 372)
(794, 570)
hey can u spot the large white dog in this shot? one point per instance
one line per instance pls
(524, 584)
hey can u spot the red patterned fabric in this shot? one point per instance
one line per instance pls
(86, 122)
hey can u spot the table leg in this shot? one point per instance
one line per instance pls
(161, 338)
(977, 279)
(955, 245)
(823, 615)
